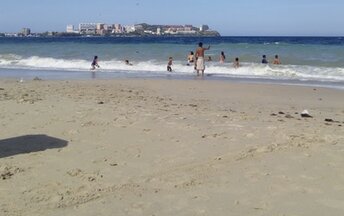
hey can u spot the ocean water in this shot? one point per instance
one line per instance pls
(318, 59)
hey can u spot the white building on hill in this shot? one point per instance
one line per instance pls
(87, 28)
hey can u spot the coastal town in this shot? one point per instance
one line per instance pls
(119, 30)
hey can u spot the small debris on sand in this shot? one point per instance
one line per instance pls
(289, 116)
(305, 114)
(7, 172)
(37, 79)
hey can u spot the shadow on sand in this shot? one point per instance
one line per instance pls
(29, 143)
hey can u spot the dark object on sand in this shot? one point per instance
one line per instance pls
(101, 102)
(331, 120)
(305, 114)
(281, 113)
(289, 116)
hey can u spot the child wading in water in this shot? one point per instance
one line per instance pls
(169, 64)
(95, 63)
(222, 57)
(236, 63)
(277, 61)
(128, 63)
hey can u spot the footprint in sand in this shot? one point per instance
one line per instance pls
(6, 172)
(85, 176)
(75, 172)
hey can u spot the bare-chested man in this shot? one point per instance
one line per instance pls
(200, 58)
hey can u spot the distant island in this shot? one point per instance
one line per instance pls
(118, 30)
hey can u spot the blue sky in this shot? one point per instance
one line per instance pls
(240, 17)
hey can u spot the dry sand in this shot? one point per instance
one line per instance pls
(168, 147)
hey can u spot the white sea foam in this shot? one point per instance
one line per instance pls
(215, 68)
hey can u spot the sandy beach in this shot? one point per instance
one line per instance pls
(170, 147)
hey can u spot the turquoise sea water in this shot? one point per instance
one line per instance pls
(303, 58)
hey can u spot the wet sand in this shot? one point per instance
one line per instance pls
(170, 147)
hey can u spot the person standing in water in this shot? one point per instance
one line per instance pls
(222, 57)
(236, 63)
(200, 58)
(95, 63)
(169, 64)
(191, 58)
(276, 60)
(264, 60)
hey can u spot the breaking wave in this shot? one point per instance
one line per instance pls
(11, 61)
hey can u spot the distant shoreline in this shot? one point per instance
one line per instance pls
(165, 36)
(66, 35)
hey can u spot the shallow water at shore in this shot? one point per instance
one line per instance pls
(20, 74)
